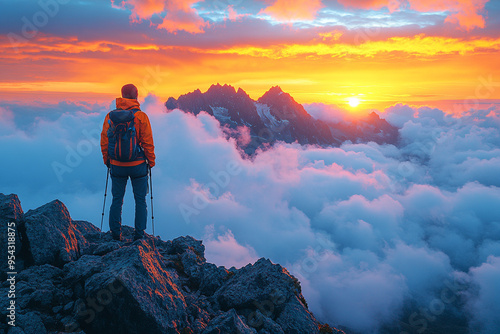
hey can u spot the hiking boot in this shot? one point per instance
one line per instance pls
(138, 236)
(117, 236)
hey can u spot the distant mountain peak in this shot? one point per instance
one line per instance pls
(284, 103)
(276, 89)
(221, 88)
(276, 116)
(241, 92)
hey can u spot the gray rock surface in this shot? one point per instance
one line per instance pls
(137, 277)
(31, 322)
(11, 214)
(10, 208)
(262, 283)
(52, 236)
(228, 322)
(79, 280)
(295, 318)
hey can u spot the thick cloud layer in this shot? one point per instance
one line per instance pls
(372, 231)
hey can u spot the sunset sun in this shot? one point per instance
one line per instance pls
(353, 101)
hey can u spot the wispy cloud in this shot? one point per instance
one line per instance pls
(175, 15)
(289, 11)
(468, 14)
(421, 46)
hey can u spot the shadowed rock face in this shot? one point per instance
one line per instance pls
(11, 214)
(53, 237)
(76, 279)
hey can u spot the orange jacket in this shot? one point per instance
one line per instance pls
(143, 132)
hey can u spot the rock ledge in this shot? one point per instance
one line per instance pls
(72, 278)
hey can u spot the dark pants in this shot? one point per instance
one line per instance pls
(139, 177)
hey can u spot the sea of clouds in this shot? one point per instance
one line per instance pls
(375, 233)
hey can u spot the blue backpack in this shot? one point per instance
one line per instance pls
(122, 136)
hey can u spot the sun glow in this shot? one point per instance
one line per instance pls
(353, 101)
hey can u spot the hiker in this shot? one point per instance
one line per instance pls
(128, 150)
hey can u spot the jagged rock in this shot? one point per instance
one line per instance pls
(10, 208)
(37, 275)
(262, 283)
(11, 213)
(31, 323)
(276, 116)
(41, 299)
(39, 291)
(192, 264)
(52, 236)
(271, 290)
(139, 293)
(79, 271)
(203, 276)
(106, 248)
(88, 230)
(15, 330)
(181, 244)
(200, 311)
(296, 319)
(70, 324)
(57, 309)
(212, 278)
(68, 307)
(228, 322)
(79, 280)
(266, 324)
(190, 260)
(23, 295)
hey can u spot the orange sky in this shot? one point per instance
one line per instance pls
(395, 55)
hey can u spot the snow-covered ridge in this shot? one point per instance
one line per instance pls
(221, 113)
(265, 115)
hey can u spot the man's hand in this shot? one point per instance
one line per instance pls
(108, 164)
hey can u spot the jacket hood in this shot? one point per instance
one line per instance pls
(126, 104)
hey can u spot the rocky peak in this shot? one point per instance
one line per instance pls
(284, 105)
(275, 93)
(276, 90)
(276, 116)
(10, 208)
(218, 89)
(242, 93)
(171, 104)
(51, 235)
(11, 213)
(81, 280)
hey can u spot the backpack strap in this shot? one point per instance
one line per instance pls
(134, 111)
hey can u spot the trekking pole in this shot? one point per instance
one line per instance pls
(152, 211)
(104, 205)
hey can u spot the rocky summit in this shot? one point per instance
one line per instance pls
(73, 278)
